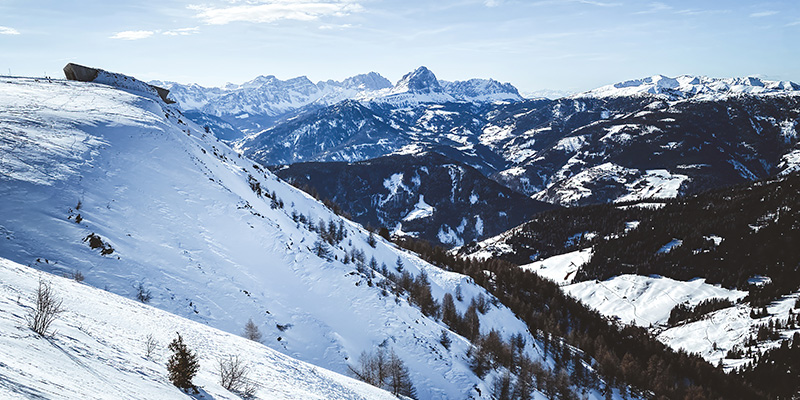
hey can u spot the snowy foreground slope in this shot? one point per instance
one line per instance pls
(98, 350)
(212, 236)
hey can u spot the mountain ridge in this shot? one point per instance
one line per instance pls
(261, 102)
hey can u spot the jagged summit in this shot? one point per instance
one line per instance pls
(484, 90)
(421, 80)
(368, 81)
(688, 86)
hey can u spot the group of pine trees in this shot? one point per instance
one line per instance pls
(684, 313)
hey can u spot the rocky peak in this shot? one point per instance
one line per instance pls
(421, 80)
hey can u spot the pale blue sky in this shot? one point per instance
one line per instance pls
(547, 44)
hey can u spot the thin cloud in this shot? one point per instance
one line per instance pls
(492, 3)
(763, 14)
(266, 11)
(182, 32)
(656, 7)
(330, 27)
(599, 3)
(561, 2)
(132, 35)
(4, 30)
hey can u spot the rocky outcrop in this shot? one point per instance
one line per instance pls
(76, 72)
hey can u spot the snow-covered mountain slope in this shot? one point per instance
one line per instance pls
(347, 131)
(421, 86)
(686, 86)
(426, 195)
(713, 273)
(722, 334)
(354, 131)
(121, 187)
(578, 150)
(560, 269)
(261, 103)
(482, 91)
(97, 349)
(647, 301)
(584, 150)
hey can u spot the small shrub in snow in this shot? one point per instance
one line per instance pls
(234, 376)
(76, 275)
(142, 293)
(445, 340)
(150, 346)
(46, 309)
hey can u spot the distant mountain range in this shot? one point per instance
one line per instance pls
(651, 138)
(262, 102)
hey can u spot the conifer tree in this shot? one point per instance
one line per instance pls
(182, 365)
(251, 331)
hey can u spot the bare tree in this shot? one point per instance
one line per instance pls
(399, 381)
(251, 331)
(47, 308)
(372, 368)
(234, 376)
(150, 346)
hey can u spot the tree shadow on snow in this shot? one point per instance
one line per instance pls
(201, 395)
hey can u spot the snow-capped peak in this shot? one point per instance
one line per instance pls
(687, 86)
(482, 90)
(369, 81)
(421, 80)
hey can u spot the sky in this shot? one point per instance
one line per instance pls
(570, 45)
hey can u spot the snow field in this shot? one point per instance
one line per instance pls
(96, 350)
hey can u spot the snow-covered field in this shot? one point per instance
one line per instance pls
(97, 350)
(560, 269)
(712, 337)
(646, 301)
